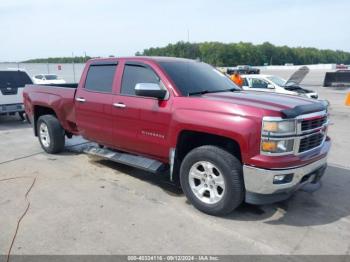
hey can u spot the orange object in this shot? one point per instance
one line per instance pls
(237, 79)
(269, 146)
(347, 100)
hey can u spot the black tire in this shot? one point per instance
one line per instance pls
(231, 170)
(21, 115)
(55, 132)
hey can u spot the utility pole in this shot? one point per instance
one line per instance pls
(188, 35)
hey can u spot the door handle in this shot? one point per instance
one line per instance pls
(119, 105)
(80, 99)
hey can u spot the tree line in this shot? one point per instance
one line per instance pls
(232, 54)
(58, 60)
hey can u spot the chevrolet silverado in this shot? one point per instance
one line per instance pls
(223, 145)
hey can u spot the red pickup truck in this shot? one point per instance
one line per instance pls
(223, 145)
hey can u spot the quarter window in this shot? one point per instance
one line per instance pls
(100, 78)
(245, 82)
(135, 74)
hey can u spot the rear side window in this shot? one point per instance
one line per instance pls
(14, 79)
(135, 74)
(100, 78)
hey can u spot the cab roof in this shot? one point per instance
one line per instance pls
(146, 58)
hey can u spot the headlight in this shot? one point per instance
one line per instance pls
(277, 146)
(279, 127)
(277, 136)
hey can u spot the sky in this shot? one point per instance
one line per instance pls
(52, 28)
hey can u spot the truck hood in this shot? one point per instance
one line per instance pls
(289, 106)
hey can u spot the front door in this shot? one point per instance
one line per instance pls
(257, 84)
(142, 123)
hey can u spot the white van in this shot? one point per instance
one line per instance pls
(272, 83)
(12, 82)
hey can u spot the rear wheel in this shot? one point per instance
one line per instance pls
(212, 180)
(51, 134)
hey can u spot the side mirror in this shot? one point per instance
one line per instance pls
(150, 90)
(270, 86)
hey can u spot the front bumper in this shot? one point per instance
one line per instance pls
(261, 189)
(11, 108)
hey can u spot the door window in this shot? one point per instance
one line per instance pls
(100, 78)
(258, 83)
(135, 74)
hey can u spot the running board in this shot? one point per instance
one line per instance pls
(140, 162)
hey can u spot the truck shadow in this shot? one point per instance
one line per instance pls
(160, 180)
(12, 122)
(330, 203)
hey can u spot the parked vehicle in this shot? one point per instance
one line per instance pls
(276, 84)
(339, 78)
(223, 145)
(243, 69)
(12, 82)
(48, 79)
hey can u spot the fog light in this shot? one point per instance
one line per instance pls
(283, 179)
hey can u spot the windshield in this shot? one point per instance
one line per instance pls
(277, 80)
(51, 77)
(195, 77)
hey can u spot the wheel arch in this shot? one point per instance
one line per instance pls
(40, 111)
(187, 140)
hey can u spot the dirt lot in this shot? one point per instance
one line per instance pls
(77, 204)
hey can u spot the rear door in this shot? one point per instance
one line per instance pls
(94, 103)
(141, 123)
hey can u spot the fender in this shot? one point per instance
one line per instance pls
(240, 129)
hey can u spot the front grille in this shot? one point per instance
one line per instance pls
(313, 123)
(310, 142)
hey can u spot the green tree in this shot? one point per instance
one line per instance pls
(231, 54)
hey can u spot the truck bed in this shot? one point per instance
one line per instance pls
(57, 97)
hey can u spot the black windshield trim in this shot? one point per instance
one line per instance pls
(212, 91)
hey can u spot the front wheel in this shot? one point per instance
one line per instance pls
(212, 180)
(51, 134)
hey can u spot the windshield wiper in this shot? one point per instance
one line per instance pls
(202, 92)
